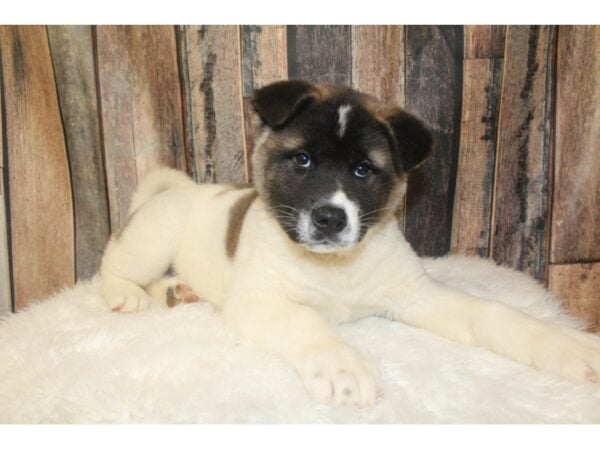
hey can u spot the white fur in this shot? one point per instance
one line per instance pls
(284, 297)
(69, 359)
(349, 235)
(343, 119)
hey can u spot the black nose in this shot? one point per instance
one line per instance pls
(329, 219)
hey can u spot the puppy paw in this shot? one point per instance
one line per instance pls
(572, 354)
(337, 374)
(180, 293)
(126, 297)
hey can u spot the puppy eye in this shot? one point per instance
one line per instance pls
(302, 159)
(362, 169)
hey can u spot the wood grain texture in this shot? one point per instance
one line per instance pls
(41, 209)
(5, 283)
(578, 285)
(484, 41)
(521, 202)
(140, 98)
(210, 60)
(471, 220)
(264, 56)
(264, 61)
(576, 209)
(378, 62)
(321, 54)
(73, 60)
(433, 93)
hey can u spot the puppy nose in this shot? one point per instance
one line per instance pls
(329, 219)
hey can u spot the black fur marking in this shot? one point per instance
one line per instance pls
(277, 103)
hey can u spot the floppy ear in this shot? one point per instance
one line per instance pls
(413, 141)
(277, 103)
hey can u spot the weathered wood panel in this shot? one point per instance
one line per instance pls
(484, 41)
(73, 60)
(578, 285)
(576, 209)
(264, 61)
(378, 62)
(471, 220)
(520, 214)
(264, 56)
(321, 54)
(434, 57)
(141, 107)
(41, 210)
(210, 60)
(5, 283)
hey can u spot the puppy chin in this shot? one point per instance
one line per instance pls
(327, 247)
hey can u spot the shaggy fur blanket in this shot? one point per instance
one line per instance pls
(70, 359)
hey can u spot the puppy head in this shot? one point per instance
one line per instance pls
(331, 162)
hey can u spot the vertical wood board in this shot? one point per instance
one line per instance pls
(434, 57)
(484, 41)
(211, 63)
(141, 107)
(521, 202)
(73, 60)
(41, 209)
(320, 54)
(578, 286)
(471, 221)
(576, 207)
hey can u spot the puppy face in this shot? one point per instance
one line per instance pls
(329, 164)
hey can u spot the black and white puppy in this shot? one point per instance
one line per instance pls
(314, 243)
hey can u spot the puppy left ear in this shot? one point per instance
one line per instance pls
(278, 103)
(413, 140)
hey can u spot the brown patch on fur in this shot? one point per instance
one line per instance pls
(172, 299)
(237, 213)
(181, 293)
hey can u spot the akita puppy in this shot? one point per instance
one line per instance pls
(314, 243)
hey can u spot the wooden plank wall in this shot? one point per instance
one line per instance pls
(514, 110)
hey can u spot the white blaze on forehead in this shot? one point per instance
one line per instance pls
(343, 118)
(351, 233)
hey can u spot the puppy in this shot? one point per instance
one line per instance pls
(316, 243)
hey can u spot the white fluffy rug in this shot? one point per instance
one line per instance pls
(69, 359)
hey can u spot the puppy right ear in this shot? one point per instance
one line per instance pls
(279, 102)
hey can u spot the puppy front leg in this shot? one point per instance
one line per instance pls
(461, 317)
(331, 370)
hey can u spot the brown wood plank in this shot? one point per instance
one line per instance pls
(264, 60)
(482, 81)
(73, 60)
(5, 283)
(5, 294)
(210, 60)
(484, 41)
(264, 56)
(578, 285)
(320, 53)
(41, 209)
(378, 61)
(433, 93)
(576, 208)
(140, 100)
(520, 212)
